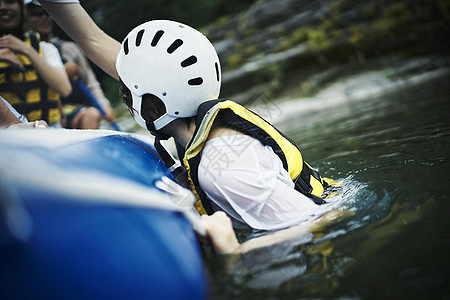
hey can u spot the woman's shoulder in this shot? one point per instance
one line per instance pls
(46, 46)
(51, 53)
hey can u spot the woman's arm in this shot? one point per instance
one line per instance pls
(223, 239)
(7, 118)
(56, 78)
(96, 44)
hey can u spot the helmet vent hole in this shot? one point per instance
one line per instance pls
(175, 45)
(189, 61)
(216, 65)
(177, 112)
(157, 37)
(139, 37)
(195, 81)
(125, 47)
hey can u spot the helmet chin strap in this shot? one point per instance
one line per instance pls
(173, 165)
(163, 121)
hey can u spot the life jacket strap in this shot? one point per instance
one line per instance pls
(174, 166)
(302, 184)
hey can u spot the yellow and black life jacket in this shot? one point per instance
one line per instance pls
(232, 115)
(26, 91)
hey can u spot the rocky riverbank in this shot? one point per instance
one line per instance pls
(285, 47)
(326, 50)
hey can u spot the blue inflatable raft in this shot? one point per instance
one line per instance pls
(81, 218)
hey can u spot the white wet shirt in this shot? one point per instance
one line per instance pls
(51, 55)
(247, 180)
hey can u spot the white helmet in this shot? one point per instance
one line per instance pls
(172, 61)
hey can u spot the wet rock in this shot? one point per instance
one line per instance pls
(275, 41)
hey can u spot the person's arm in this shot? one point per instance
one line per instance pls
(223, 238)
(54, 77)
(96, 44)
(7, 118)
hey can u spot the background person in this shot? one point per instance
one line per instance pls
(32, 74)
(77, 106)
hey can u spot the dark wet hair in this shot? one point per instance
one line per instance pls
(125, 94)
(152, 107)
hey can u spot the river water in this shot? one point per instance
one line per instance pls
(392, 155)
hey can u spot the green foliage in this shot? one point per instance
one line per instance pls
(221, 21)
(285, 44)
(318, 39)
(336, 8)
(444, 7)
(251, 50)
(234, 60)
(370, 11)
(300, 35)
(357, 34)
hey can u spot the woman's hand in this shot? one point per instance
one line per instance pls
(8, 56)
(72, 69)
(220, 232)
(14, 44)
(40, 124)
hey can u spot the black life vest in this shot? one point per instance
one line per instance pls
(232, 115)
